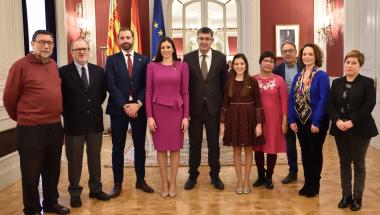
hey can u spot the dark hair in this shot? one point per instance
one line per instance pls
(356, 54)
(266, 54)
(45, 32)
(246, 80)
(317, 53)
(205, 30)
(126, 29)
(290, 43)
(159, 56)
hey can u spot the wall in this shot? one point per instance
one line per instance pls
(102, 11)
(11, 40)
(275, 12)
(334, 53)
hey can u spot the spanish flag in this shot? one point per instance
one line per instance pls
(113, 29)
(135, 26)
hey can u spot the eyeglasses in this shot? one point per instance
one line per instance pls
(207, 39)
(287, 51)
(268, 61)
(81, 49)
(44, 42)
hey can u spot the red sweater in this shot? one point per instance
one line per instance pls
(32, 94)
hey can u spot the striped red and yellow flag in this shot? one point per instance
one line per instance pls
(135, 26)
(113, 29)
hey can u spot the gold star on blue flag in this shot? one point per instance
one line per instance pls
(158, 28)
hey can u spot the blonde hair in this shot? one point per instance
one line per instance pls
(356, 54)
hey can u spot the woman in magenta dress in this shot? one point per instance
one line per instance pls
(167, 107)
(275, 102)
(241, 118)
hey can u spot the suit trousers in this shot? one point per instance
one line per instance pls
(211, 124)
(291, 151)
(119, 126)
(40, 149)
(311, 149)
(352, 149)
(74, 146)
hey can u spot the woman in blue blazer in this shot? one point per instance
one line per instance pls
(308, 114)
(352, 99)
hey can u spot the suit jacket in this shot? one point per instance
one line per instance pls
(362, 100)
(82, 108)
(280, 70)
(210, 90)
(119, 84)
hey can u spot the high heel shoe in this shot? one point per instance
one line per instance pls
(172, 195)
(239, 190)
(246, 190)
(164, 194)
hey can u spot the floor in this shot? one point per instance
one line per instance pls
(205, 199)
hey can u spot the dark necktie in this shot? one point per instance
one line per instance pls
(204, 67)
(84, 78)
(129, 64)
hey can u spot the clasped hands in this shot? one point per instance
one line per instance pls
(344, 125)
(131, 109)
(314, 129)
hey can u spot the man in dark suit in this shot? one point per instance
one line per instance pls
(287, 71)
(83, 92)
(126, 80)
(208, 69)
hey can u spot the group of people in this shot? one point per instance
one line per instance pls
(257, 115)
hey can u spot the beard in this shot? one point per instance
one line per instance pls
(126, 46)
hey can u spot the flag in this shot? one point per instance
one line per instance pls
(113, 29)
(158, 27)
(135, 26)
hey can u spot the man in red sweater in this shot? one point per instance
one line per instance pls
(32, 97)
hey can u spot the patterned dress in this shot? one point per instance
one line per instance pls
(241, 115)
(274, 97)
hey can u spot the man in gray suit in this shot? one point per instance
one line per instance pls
(208, 71)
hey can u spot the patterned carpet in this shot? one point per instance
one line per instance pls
(226, 157)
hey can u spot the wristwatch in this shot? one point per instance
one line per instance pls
(139, 103)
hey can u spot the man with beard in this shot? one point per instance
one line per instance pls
(32, 97)
(126, 79)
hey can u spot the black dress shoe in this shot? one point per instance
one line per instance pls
(218, 184)
(346, 200)
(102, 196)
(356, 204)
(302, 191)
(144, 186)
(259, 181)
(289, 178)
(116, 190)
(190, 183)
(269, 183)
(75, 202)
(57, 209)
(312, 191)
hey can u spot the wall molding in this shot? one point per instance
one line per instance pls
(9, 169)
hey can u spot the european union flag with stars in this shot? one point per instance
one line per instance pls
(158, 27)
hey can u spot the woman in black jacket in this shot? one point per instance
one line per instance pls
(352, 99)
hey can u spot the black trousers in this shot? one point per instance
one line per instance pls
(119, 126)
(40, 149)
(74, 146)
(311, 149)
(211, 123)
(352, 149)
(291, 150)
